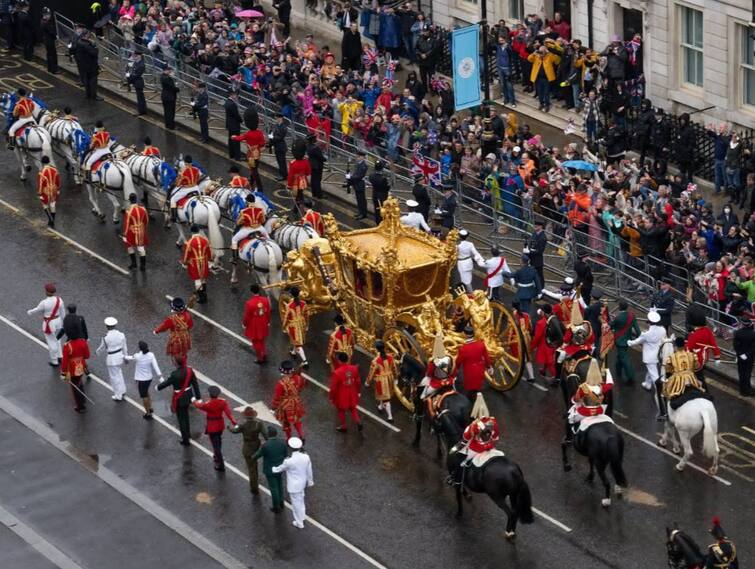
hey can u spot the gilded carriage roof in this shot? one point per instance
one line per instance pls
(391, 244)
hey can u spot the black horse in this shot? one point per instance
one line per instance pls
(683, 552)
(602, 443)
(499, 478)
(452, 417)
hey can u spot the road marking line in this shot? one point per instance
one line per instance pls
(671, 454)
(36, 541)
(263, 411)
(89, 252)
(729, 391)
(307, 376)
(13, 208)
(735, 473)
(552, 520)
(749, 430)
(330, 533)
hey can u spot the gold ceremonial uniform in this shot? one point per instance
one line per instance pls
(383, 373)
(680, 367)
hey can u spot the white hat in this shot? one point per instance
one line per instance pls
(490, 156)
(569, 281)
(110, 321)
(517, 149)
(412, 203)
(654, 317)
(295, 443)
(464, 233)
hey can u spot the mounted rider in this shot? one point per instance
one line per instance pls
(23, 112)
(589, 404)
(681, 384)
(249, 221)
(578, 338)
(149, 149)
(701, 341)
(565, 298)
(314, 220)
(439, 376)
(99, 147)
(480, 437)
(237, 180)
(187, 184)
(723, 553)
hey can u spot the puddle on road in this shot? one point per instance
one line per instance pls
(637, 496)
(203, 498)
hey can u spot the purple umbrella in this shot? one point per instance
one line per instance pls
(249, 14)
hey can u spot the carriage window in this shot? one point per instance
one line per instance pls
(377, 286)
(360, 282)
(348, 271)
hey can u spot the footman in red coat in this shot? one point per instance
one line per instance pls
(472, 361)
(215, 409)
(256, 322)
(345, 384)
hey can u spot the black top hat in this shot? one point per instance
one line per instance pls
(178, 304)
(286, 366)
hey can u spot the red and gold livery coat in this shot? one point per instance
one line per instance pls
(314, 218)
(151, 151)
(24, 108)
(298, 175)
(296, 321)
(255, 142)
(287, 403)
(75, 356)
(189, 176)
(135, 221)
(197, 256)
(179, 327)
(340, 341)
(100, 139)
(239, 181)
(702, 342)
(48, 184)
(383, 373)
(251, 216)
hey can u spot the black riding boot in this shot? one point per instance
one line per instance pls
(660, 401)
(133, 261)
(143, 263)
(50, 219)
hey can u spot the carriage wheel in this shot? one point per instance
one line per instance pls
(399, 341)
(284, 300)
(507, 369)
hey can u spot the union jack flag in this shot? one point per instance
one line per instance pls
(429, 168)
(370, 57)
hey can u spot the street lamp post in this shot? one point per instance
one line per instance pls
(485, 66)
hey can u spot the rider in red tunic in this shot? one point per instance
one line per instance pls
(341, 340)
(249, 221)
(178, 325)
(196, 259)
(473, 361)
(237, 180)
(186, 185)
(48, 188)
(480, 436)
(135, 221)
(23, 112)
(345, 384)
(256, 322)
(73, 368)
(314, 219)
(287, 404)
(149, 149)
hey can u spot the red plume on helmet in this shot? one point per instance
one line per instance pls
(717, 531)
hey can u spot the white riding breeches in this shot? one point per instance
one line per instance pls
(18, 124)
(95, 156)
(181, 193)
(245, 232)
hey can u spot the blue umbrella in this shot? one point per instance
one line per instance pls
(580, 165)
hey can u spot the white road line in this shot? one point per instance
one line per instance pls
(671, 454)
(330, 533)
(36, 541)
(13, 208)
(749, 430)
(552, 520)
(322, 386)
(89, 252)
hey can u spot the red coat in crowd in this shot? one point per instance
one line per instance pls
(215, 409)
(701, 342)
(545, 355)
(345, 385)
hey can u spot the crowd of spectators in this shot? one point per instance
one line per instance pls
(629, 212)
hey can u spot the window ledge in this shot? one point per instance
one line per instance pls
(688, 95)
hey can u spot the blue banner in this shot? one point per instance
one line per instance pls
(465, 50)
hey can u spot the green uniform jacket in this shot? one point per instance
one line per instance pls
(251, 431)
(176, 381)
(273, 453)
(618, 323)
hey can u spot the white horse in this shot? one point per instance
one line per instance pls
(113, 179)
(62, 133)
(264, 257)
(232, 200)
(32, 143)
(290, 236)
(694, 416)
(204, 212)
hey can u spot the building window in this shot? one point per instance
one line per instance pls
(516, 10)
(747, 65)
(692, 45)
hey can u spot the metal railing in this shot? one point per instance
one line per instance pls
(630, 279)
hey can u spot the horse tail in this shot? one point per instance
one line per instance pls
(47, 145)
(710, 431)
(213, 229)
(615, 446)
(128, 181)
(523, 503)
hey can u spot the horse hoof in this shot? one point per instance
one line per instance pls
(680, 466)
(618, 490)
(605, 502)
(662, 443)
(27, 168)
(713, 470)
(510, 535)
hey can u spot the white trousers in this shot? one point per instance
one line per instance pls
(138, 249)
(18, 124)
(465, 269)
(651, 374)
(53, 346)
(245, 232)
(115, 374)
(94, 156)
(297, 504)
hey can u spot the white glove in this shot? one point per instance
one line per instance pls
(717, 362)
(270, 136)
(348, 175)
(743, 357)
(193, 399)
(526, 250)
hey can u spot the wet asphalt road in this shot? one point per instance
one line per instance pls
(375, 491)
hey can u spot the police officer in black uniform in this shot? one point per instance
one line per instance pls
(200, 108)
(448, 205)
(744, 347)
(317, 163)
(135, 78)
(168, 96)
(380, 188)
(25, 29)
(233, 124)
(89, 59)
(49, 35)
(277, 140)
(355, 179)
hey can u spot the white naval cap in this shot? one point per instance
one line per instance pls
(412, 203)
(295, 443)
(110, 321)
(654, 317)
(569, 281)
(464, 233)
